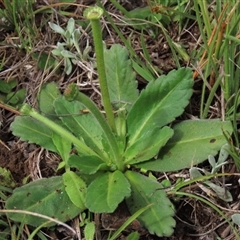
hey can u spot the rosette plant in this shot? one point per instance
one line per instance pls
(103, 152)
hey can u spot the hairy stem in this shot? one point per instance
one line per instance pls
(71, 93)
(93, 14)
(81, 147)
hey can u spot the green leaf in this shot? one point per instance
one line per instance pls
(44, 196)
(107, 191)
(44, 60)
(89, 231)
(71, 25)
(120, 122)
(87, 164)
(141, 13)
(109, 141)
(160, 103)
(67, 66)
(133, 236)
(62, 145)
(192, 142)
(236, 218)
(158, 219)
(47, 95)
(82, 125)
(88, 178)
(222, 158)
(6, 178)
(68, 39)
(17, 97)
(75, 188)
(57, 52)
(68, 54)
(57, 28)
(33, 131)
(75, 38)
(5, 87)
(148, 145)
(13, 83)
(121, 78)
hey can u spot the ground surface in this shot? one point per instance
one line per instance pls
(194, 219)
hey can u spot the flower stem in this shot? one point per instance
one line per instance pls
(72, 94)
(93, 14)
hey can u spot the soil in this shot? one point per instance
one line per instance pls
(28, 162)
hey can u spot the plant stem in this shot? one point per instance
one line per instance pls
(93, 14)
(81, 147)
(72, 93)
(134, 57)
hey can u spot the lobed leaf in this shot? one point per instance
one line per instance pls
(192, 142)
(148, 145)
(160, 103)
(87, 164)
(75, 188)
(82, 125)
(44, 196)
(47, 95)
(107, 191)
(33, 131)
(109, 141)
(62, 145)
(158, 218)
(121, 80)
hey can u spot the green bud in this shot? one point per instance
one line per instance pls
(93, 13)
